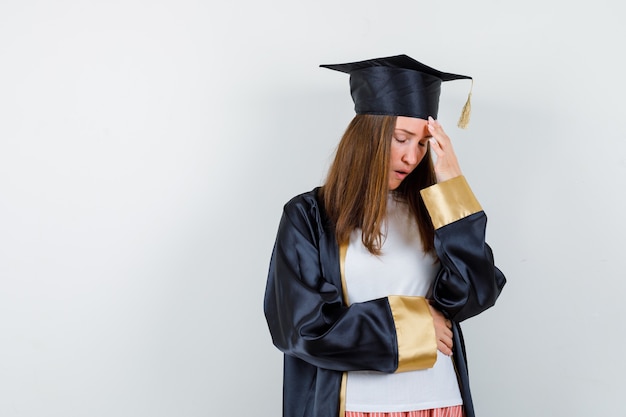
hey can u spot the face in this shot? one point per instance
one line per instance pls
(408, 147)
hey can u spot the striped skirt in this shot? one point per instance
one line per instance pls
(454, 411)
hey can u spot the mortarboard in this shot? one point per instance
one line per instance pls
(398, 86)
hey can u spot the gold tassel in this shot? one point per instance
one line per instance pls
(467, 110)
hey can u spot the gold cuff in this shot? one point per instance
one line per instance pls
(450, 201)
(417, 345)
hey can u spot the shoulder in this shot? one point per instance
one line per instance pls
(306, 210)
(305, 203)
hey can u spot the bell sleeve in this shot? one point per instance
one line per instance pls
(468, 282)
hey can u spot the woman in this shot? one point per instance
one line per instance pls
(372, 273)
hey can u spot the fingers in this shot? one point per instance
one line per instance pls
(436, 130)
(443, 332)
(438, 137)
(434, 145)
(446, 164)
(444, 348)
(444, 342)
(433, 124)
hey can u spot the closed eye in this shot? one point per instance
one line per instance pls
(424, 142)
(400, 139)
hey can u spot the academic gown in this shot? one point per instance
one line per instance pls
(322, 336)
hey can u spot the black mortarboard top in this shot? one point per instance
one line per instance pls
(398, 86)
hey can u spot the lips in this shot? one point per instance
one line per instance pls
(401, 174)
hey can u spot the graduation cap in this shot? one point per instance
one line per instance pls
(398, 86)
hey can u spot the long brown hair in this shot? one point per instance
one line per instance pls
(357, 184)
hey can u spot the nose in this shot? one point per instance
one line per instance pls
(412, 155)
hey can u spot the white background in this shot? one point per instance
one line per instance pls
(147, 148)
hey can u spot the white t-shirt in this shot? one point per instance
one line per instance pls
(402, 269)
